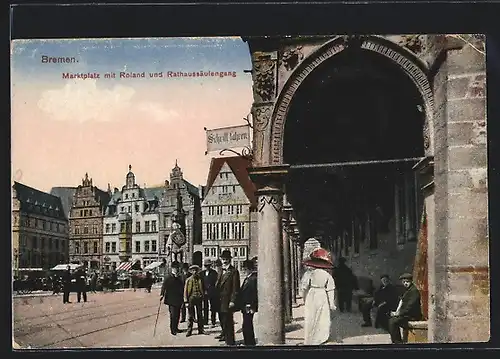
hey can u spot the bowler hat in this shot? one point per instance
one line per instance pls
(319, 258)
(406, 276)
(207, 262)
(248, 264)
(175, 265)
(194, 266)
(226, 254)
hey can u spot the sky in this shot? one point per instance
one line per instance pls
(63, 128)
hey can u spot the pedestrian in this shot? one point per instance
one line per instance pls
(346, 282)
(113, 279)
(134, 279)
(93, 282)
(193, 299)
(216, 298)
(385, 300)
(247, 301)
(318, 291)
(409, 308)
(228, 285)
(81, 284)
(209, 277)
(184, 276)
(55, 284)
(149, 281)
(66, 282)
(172, 292)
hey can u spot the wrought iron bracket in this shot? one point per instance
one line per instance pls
(246, 152)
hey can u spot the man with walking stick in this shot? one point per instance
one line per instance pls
(172, 292)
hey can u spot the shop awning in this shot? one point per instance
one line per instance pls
(153, 266)
(72, 266)
(125, 266)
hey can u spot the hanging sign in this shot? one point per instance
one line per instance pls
(228, 137)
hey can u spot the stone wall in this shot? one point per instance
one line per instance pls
(459, 282)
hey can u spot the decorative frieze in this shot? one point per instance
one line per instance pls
(264, 78)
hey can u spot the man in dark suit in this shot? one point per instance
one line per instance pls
(228, 285)
(247, 301)
(409, 308)
(209, 277)
(346, 282)
(173, 292)
(66, 282)
(81, 284)
(385, 300)
(184, 276)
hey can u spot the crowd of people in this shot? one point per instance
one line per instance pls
(208, 293)
(322, 282)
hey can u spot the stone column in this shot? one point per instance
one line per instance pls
(270, 253)
(293, 269)
(459, 276)
(287, 277)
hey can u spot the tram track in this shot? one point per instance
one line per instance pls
(120, 302)
(77, 337)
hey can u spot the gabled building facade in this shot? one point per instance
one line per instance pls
(86, 224)
(229, 211)
(131, 225)
(39, 229)
(180, 199)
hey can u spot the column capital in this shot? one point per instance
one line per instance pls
(269, 179)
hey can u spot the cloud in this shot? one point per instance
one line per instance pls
(81, 101)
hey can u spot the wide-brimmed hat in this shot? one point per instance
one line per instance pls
(319, 258)
(207, 262)
(226, 254)
(194, 266)
(406, 276)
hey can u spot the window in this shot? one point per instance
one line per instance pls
(137, 226)
(85, 212)
(81, 213)
(51, 243)
(85, 247)
(123, 209)
(243, 252)
(85, 230)
(42, 243)
(36, 222)
(137, 208)
(95, 229)
(122, 227)
(107, 247)
(77, 230)
(133, 195)
(129, 209)
(220, 175)
(113, 247)
(96, 247)
(57, 244)
(153, 246)
(77, 248)
(235, 252)
(146, 226)
(153, 226)
(234, 189)
(90, 212)
(44, 224)
(113, 227)
(213, 252)
(126, 196)
(137, 246)
(207, 252)
(225, 230)
(146, 246)
(50, 225)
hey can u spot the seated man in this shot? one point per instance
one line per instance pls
(409, 308)
(384, 301)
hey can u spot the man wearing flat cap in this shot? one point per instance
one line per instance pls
(228, 285)
(209, 277)
(409, 308)
(193, 299)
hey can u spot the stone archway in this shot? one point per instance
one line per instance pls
(398, 55)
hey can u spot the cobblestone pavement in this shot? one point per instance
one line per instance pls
(127, 319)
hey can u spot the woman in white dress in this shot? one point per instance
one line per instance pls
(318, 291)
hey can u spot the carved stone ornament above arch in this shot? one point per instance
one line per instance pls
(411, 65)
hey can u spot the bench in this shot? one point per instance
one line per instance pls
(416, 332)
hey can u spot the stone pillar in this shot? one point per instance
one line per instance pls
(270, 253)
(459, 277)
(287, 277)
(293, 269)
